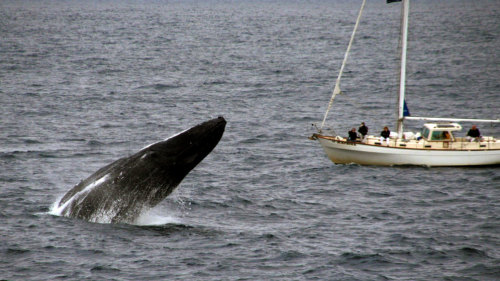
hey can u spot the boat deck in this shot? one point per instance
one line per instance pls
(487, 143)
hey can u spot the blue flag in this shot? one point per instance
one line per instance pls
(406, 111)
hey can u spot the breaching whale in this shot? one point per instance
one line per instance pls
(120, 191)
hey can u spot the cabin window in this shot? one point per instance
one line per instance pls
(437, 135)
(425, 133)
(441, 135)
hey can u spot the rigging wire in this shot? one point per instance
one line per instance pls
(336, 90)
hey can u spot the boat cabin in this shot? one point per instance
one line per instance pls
(440, 131)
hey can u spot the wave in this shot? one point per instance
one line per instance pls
(149, 217)
(161, 86)
(27, 153)
(153, 217)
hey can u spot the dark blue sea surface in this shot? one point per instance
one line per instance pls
(83, 83)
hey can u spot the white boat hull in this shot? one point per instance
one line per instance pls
(346, 153)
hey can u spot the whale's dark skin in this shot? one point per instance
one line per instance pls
(122, 189)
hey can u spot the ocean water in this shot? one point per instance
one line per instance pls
(83, 83)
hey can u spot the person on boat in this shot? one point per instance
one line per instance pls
(384, 135)
(473, 134)
(446, 135)
(352, 135)
(363, 130)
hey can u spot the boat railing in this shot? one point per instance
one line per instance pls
(458, 143)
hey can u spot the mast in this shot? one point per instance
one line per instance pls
(405, 10)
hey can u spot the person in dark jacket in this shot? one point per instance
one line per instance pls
(352, 135)
(474, 134)
(363, 130)
(384, 135)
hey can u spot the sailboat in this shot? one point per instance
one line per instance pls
(436, 145)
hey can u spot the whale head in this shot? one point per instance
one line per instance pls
(181, 153)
